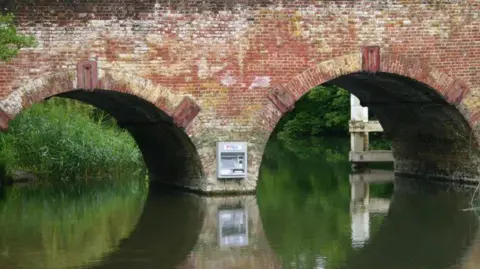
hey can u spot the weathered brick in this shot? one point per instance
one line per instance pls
(282, 98)
(371, 59)
(87, 75)
(185, 112)
(226, 55)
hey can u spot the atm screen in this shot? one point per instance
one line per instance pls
(228, 161)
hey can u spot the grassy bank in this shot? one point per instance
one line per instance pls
(62, 139)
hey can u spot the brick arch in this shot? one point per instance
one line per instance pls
(284, 96)
(426, 113)
(157, 119)
(180, 107)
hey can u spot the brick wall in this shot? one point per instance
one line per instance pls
(226, 55)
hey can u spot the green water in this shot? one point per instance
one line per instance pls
(309, 213)
(67, 226)
(304, 200)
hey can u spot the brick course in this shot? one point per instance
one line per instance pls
(226, 56)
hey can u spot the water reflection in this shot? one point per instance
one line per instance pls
(2, 192)
(232, 236)
(309, 213)
(306, 206)
(165, 234)
(424, 229)
(362, 205)
(66, 226)
(232, 227)
(314, 217)
(472, 258)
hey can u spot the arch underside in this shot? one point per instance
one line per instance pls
(168, 152)
(430, 137)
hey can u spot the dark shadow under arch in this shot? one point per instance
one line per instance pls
(427, 113)
(430, 137)
(168, 153)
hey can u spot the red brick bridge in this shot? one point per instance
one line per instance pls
(182, 75)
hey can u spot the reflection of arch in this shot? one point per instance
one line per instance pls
(425, 242)
(165, 234)
(153, 115)
(420, 108)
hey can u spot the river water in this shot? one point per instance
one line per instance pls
(309, 212)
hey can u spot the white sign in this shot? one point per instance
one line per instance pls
(232, 147)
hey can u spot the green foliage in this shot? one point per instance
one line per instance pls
(10, 41)
(322, 111)
(60, 140)
(379, 141)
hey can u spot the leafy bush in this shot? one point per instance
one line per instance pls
(10, 41)
(60, 139)
(323, 111)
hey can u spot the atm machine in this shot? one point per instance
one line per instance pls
(232, 160)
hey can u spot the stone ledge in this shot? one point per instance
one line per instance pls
(364, 127)
(371, 156)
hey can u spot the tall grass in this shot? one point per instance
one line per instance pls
(63, 139)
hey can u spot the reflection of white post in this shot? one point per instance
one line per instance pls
(360, 225)
(360, 192)
(358, 140)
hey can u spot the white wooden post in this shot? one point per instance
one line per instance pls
(358, 141)
(359, 128)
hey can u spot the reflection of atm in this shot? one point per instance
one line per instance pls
(233, 227)
(231, 159)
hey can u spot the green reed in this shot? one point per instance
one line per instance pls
(65, 139)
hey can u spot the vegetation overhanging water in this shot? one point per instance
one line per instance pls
(63, 139)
